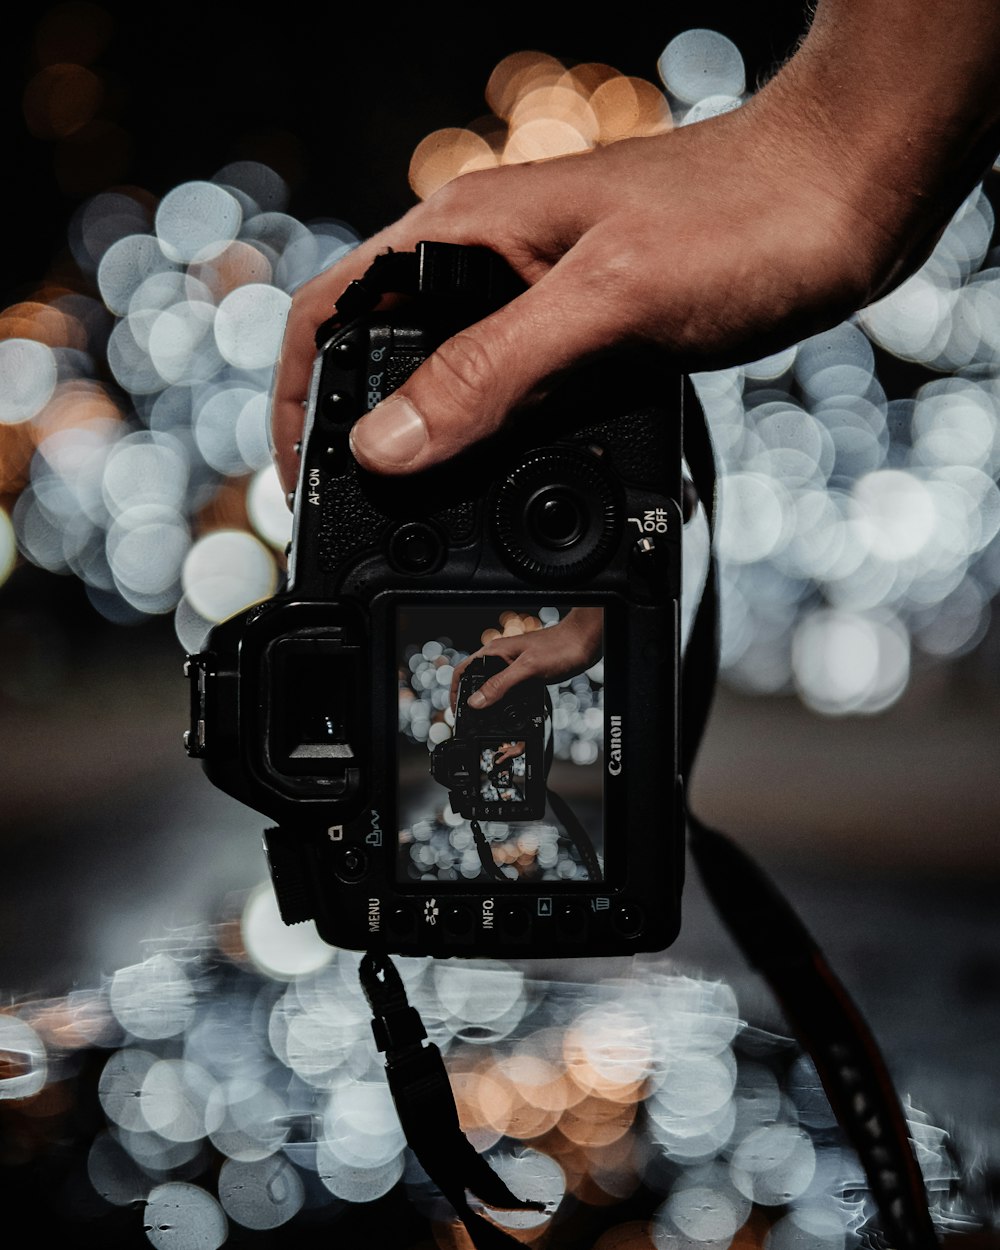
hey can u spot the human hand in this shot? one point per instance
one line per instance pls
(508, 751)
(720, 241)
(673, 238)
(551, 654)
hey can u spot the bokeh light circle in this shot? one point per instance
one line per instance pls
(196, 221)
(699, 63)
(244, 1120)
(280, 950)
(269, 512)
(225, 572)
(8, 546)
(250, 323)
(773, 1165)
(182, 1216)
(153, 999)
(18, 1038)
(850, 662)
(28, 374)
(126, 267)
(263, 1194)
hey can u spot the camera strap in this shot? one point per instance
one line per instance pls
(762, 921)
(425, 1103)
(775, 941)
(488, 864)
(571, 823)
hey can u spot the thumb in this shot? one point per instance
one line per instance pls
(465, 390)
(496, 686)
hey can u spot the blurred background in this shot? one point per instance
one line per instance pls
(172, 176)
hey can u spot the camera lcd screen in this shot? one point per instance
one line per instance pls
(501, 745)
(502, 772)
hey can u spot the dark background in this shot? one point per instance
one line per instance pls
(335, 97)
(883, 830)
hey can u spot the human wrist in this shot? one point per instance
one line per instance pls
(585, 626)
(842, 211)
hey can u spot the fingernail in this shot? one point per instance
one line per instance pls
(391, 436)
(477, 700)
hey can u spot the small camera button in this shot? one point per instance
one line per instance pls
(515, 922)
(555, 517)
(351, 865)
(571, 920)
(402, 922)
(415, 548)
(629, 920)
(457, 921)
(337, 407)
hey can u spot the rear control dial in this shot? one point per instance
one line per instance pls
(557, 515)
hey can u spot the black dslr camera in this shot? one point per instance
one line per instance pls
(494, 765)
(406, 818)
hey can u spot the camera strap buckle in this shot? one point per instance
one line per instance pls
(425, 1103)
(396, 1030)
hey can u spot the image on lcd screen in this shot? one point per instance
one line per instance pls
(507, 783)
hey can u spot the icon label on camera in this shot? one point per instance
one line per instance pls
(431, 911)
(545, 907)
(335, 833)
(374, 838)
(601, 904)
(652, 521)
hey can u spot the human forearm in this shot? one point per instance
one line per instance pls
(903, 96)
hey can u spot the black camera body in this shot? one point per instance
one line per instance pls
(328, 707)
(494, 764)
